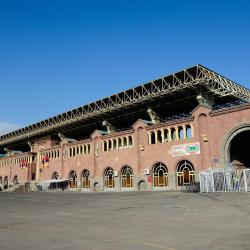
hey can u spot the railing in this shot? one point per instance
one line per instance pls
(225, 180)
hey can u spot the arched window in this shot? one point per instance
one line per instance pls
(119, 143)
(130, 141)
(181, 133)
(173, 134)
(109, 145)
(160, 175)
(114, 144)
(72, 179)
(159, 136)
(81, 150)
(70, 152)
(165, 135)
(55, 176)
(188, 132)
(109, 178)
(152, 137)
(15, 180)
(105, 146)
(125, 142)
(1, 180)
(127, 175)
(85, 178)
(185, 173)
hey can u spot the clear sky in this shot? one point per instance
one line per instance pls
(57, 55)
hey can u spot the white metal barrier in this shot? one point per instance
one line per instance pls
(225, 180)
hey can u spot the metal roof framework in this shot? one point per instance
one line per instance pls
(189, 78)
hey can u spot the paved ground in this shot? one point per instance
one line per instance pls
(129, 220)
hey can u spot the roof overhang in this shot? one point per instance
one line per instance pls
(195, 79)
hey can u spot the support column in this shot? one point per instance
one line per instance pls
(156, 137)
(112, 144)
(37, 165)
(117, 143)
(162, 135)
(169, 135)
(192, 130)
(177, 133)
(149, 138)
(184, 132)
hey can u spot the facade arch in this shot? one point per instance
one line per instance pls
(109, 180)
(188, 134)
(141, 185)
(160, 175)
(86, 178)
(127, 175)
(72, 179)
(227, 145)
(185, 173)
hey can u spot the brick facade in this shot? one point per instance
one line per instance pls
(141, 148)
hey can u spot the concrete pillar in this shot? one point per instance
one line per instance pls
(112, 145)
(192, 130)
(156, 136)
(177, 133)
(169, 135)
(162, 135)
(149, 138)
(117, 145)
(37, 165)
(184, 132)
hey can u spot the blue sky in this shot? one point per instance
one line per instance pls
(57, 55)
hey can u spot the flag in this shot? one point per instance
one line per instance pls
(45, 160)
(23, 164)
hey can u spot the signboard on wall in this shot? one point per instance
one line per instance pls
(186, 149)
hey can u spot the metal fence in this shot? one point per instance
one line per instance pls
(225, 180)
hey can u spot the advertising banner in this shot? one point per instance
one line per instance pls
(186, 149)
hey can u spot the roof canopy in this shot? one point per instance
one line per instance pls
(173, 91)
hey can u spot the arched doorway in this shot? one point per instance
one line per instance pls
(160, 175)
(15, 180)
(239, 150)
(141, 185)
(5, 182)
(55, 176)
(72, 179)
(127, 176)
(85, 178)
(109, 181)
(185, 173)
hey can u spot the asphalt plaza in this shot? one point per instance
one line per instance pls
(128, 220)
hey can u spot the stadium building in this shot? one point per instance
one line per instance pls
(156, 136)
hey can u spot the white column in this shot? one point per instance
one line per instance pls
(149, 138)
(162, 135)
(184, 132)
